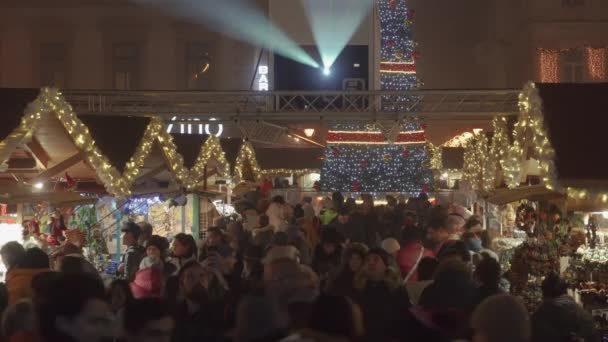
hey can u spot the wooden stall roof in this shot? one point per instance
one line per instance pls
(533, 193)
(576, 118)
(290, 158)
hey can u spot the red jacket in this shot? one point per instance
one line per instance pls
(407, 257)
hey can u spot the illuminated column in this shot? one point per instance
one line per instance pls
(548, 65)
(596, 63)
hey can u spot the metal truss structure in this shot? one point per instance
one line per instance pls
(299, 106)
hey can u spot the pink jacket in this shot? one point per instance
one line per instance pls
(407, 257)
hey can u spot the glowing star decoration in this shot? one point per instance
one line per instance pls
(263, 83)
(50, 103)
(549, 65)
(530, 135)
(596, 63)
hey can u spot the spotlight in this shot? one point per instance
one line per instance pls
(326, 71)
(39, 185)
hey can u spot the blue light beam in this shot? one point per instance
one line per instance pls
(334, 22)
(239, 19)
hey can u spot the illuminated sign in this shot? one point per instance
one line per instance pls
(195, 126)
(263, 78)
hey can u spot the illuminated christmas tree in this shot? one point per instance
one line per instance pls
(373, 158)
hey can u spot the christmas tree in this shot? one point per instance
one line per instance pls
(376, 157)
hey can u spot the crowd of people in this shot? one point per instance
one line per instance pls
(404, 271)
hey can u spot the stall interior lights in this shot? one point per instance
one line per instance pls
(309, 132)
(596, 63)
(549, 65)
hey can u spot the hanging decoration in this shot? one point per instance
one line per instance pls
(530, 135)
(549, 65)
(436, 154)
(596, 63)
(370, 137)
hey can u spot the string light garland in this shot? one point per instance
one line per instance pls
(460, 140)
(549, 65)
(246, 154)
(359, 137)
(596, 63)
(530, 135)
(436, 156)
(191, 178)
(51, 102)
(498, 151)
(295, 172)
(476, 163)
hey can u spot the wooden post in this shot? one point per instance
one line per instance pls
(196, 216)
(205, 178)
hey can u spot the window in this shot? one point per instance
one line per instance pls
(53, 65)
(198, 66)
(573, 3)
(573, 66)
(125, 65)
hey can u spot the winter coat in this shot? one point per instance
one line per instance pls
(148, 283)
(561, 319)
(19, 283)
(407, 257)
(131, 260)
(383, 303)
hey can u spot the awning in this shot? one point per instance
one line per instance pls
(532, 193)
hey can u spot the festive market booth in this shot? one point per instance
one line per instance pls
(550, 165)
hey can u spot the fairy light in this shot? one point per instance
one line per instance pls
(549, 65)
(246, 154)
(475, 162)
(530, 131)
(596, 63)
(460, 140)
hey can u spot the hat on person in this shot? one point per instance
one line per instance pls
(147, 283)
(131, 227)
(390, 245)
(382, 254)
(281, 252)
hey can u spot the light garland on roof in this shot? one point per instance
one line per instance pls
(461, 140)
(51, 101)
(191, 178)
(246, 153)
(530, 133)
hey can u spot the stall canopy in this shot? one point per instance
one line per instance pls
(293, 161)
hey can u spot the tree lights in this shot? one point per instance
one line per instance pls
(367, 158)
